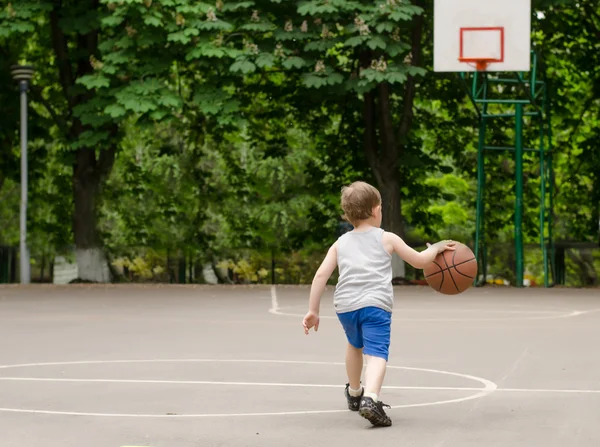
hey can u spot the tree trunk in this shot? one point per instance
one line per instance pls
(389, 173)
(383, 148)
(392, 212)
(382, 154)
(89, 171)
(92, 264)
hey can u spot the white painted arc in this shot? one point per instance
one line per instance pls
(289, 385)
(489, 387)
(276, 309)
(225, 383)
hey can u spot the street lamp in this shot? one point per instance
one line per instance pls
(23, 74)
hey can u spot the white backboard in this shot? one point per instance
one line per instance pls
(512, 44)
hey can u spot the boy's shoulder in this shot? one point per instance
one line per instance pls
(389, 236)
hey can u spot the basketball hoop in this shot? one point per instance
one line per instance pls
(481, 46)
(482, 35)
(479, 64)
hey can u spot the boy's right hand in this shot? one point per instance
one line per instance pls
(443, 246)
(311, 319)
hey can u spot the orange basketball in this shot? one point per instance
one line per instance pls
(452, 271)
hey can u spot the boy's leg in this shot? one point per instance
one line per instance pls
(376, 330)
(354, 358)
(354, 390)
(354, 366)
(376, 367)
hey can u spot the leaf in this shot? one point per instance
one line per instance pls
(209, 102)
(376, 42)
(113, 20)
(152, 20)
(115, 110)
(292, 35)
(405, 13)
(265, 60)
(190, 31)
(94, 81)
(311, 8)
(244, 66)
(355, 41)
(394, 49)
(258, 27)
(139, 104)
(170, 99)
(180, 37)
(314, 81)
(396, 77)
(218, 25)
(109, 69)
(320, 45)
(90, 138)
(307, 8)
(231, 106)
(373, 75)
(416, 71)
(294, 62)
(158, 114)
(124, 42)
(205, 50)
(95, 120)
(139, 96)
(117, 57)
(387, 27)
(335, 78)
(227, 6)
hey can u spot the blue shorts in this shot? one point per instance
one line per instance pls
(369, 329)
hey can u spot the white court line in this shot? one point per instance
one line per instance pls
(542, 390)
(277, 310)
(398, 309)
(571, 314)
(247, 384)
(489, 387)
(290, 385)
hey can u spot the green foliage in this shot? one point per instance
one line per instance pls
(236, 123)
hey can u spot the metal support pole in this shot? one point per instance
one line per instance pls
(519, 196)
(551, 202)
(24, 250)
(479, 228)
(543, 202)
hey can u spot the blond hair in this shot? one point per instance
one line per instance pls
(358, 201)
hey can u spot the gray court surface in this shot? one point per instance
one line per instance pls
(175, 366)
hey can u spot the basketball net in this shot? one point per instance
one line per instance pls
(478, 64)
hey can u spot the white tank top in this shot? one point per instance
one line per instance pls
(365, 272)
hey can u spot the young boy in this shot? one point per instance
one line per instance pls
(364, 297)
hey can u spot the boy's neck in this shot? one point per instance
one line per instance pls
(365, 225)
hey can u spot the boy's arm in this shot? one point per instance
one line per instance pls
(413, 257)
(321, 277)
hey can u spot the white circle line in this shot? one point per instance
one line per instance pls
(489, 387)
(570, 314)
(224, 383)
(289, 385)
(458, 310)
(276, 310)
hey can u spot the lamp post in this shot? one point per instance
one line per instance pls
(23, 74)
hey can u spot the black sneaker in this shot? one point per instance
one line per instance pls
(374, 413)
(353, 402)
